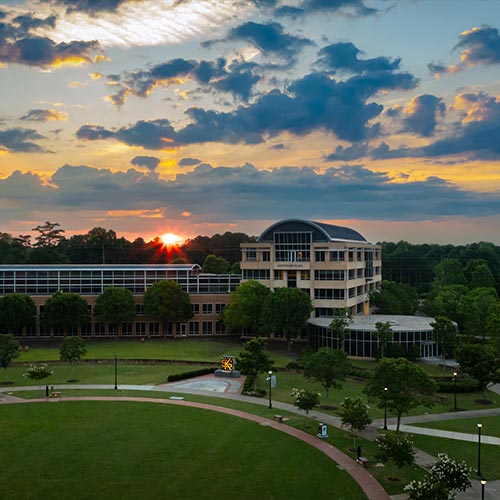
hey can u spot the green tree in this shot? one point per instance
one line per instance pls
(166, 301)
(476, 306)
(397, 448)
(354, 415)
(17, 311)
(327, 366)
(9, 350)
(479, 362)
(286, 311)
(72, 349)
(446, 301)
(66, 312)
(339, 326)
(449, 272)
(305, 399)
(444, 333)
(215, 265)
(408, 386)
(383, 333)
(49, 234)
(493, 328)
(478, 274)
(254, 359)
(394, 298)
(115, 306)
(244, 313)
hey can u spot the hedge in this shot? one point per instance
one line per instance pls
(190, 374)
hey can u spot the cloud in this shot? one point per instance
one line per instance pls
(421, 113)
(44, 115)
(270, 39)
(91, 6)
(188, 162)
(476, 46)
(209, 193)
(150, 162)
(20, 140)
(355, 8)
(349, 153)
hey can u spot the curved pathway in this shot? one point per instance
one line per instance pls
(372, 489)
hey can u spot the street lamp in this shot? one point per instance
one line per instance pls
(385, 408)
(116, 373)
(483, 484)
(269, 379)
(479, 426)
(455, 388)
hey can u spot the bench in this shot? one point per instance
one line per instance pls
(56, 394)
(363, 461)
(280, 418)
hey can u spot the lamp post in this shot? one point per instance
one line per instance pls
(385, 408)
(269, 379)
(479, 426)
(116, 373)
(455, 389)
(483, 484)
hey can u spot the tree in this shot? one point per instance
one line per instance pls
(408, 386)
(115, 306)
(65, 311)
(17, 311)
(215, 265)
(254, 359)
(49, 235)
(446, 301)
(396, 447)
(328, 367)
(166, 301)
(449, 272)
(476, 306)
(9, 350)
(72, 349)
(383, 333)
(444, 332)
(339, 325)
(446, 477)
(394, 298)
(244, 313)
(305, 399)
(286, 311)
(479, 362)
(478, 274)
(493, 328)
(354, 415)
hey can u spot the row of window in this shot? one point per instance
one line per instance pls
(300, 252)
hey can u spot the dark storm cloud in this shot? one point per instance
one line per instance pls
(270, 39)
(43, 115)
(354, 152)
(20, 140)
(278, 191)
(150, 162)
(237, 79)
(345, 57)
(188, 162)
(347, 7)
(421, 114)
(476, 46)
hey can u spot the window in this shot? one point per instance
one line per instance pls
(352, 274)
(266, 255)
(329, 294)
(206, 309)
(359, 273)
(305, 275)
(278, 275)
(219, 328)
(320, 256)
(140, 328)
(154, 328)
(329, 275)
(292, 247)
(256, 274)
(195, 308)
(351, 256)
(336, 255)
(139, 309)
(194, 328)
(251, 254)
(207, 328)
(219, 308)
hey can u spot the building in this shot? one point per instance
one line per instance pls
(335, 265)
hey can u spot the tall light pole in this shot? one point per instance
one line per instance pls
(479, 426)
(269, 379)
(455, 389)
(116, 373)
(483, 484)
(385, 408)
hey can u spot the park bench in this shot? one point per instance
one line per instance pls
(280, 418)
(363, 461)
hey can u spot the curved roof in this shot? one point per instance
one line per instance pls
(321, 231)
(399, 323)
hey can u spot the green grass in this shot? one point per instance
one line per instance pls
(179, 349)
(124, 450)
(103, 374)
(463, 450)
(491, 425)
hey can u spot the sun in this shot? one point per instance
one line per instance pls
(171, 239)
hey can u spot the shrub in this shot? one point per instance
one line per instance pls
(190, 374)
(38, 372)
(464, 384)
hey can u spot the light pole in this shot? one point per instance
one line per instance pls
(455, 389)
(479, 426)
(385, 408)
(483, 484)
(269, 379)
(116, 373)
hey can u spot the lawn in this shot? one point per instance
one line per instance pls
(179, 349)
(491, 425)
(124, 450)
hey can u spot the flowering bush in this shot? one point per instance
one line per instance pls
(304, 399)
(38, 372)
(446, 477)
(397, 447)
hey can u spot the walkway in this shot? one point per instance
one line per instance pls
(366, 481)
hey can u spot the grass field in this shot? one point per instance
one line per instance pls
(123, 450)
(491, 425)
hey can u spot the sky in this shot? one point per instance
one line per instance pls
(205, 116)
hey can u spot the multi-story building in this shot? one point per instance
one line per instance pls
(335, 265)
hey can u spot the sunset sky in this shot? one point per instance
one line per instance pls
(204, 116)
